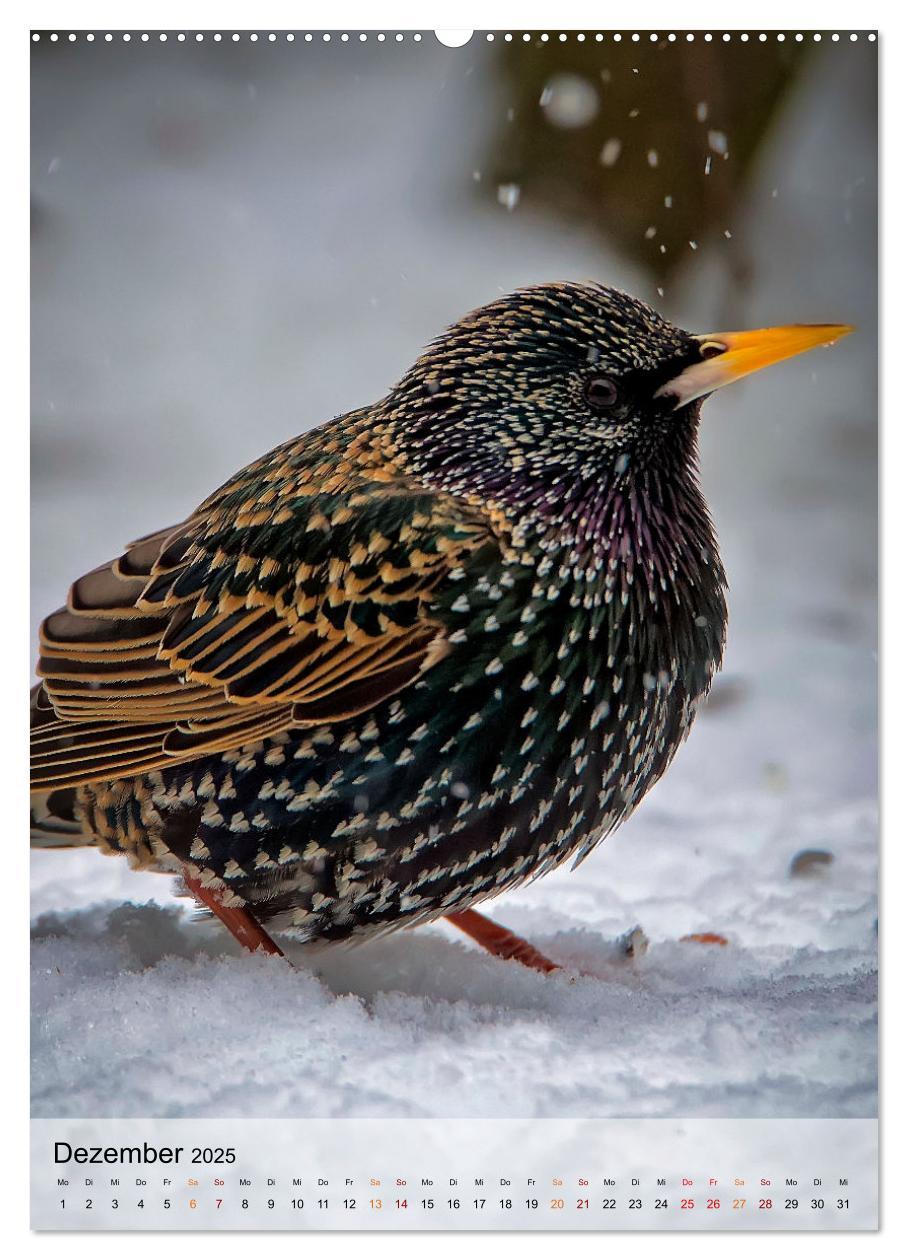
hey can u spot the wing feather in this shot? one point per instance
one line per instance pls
(275, 605)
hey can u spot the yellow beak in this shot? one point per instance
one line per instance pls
(729, 356)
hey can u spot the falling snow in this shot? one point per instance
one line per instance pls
(569, 101)
(611, 151)
(508, 195)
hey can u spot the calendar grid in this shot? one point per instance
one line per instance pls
(463, 1174)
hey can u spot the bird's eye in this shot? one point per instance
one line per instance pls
(601, 392)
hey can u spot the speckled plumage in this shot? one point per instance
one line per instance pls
(415, 656)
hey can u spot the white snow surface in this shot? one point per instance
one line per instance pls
(140, 1011)
(290, 267)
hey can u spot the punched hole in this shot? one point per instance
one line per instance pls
(453, 38)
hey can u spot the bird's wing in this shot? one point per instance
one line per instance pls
(287, 605)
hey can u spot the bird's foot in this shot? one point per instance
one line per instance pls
(500, 941)
(704, 938)
(238, 921)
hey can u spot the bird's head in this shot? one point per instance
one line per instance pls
(565, 384)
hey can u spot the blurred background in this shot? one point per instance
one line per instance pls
(234, 242)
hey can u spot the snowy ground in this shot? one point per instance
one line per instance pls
(138, 1012)
(198, 296)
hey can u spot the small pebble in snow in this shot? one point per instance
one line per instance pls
(704, 938)
(634, 943)
(809, 862)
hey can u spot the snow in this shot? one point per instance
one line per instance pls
(611, 151)
(185, 319)
(569, 101)
(140, 1011)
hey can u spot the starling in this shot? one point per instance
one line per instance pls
(418, 655)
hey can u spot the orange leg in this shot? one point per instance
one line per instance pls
(238, 922)
(499, 941)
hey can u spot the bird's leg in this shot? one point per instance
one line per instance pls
(500, 941)
(238, 921)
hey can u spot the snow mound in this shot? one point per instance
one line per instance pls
(143, 1010)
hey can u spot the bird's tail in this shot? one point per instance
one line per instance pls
(55, 823)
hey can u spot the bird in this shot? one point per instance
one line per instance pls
(419, 655)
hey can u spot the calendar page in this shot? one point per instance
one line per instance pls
(454, 576)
